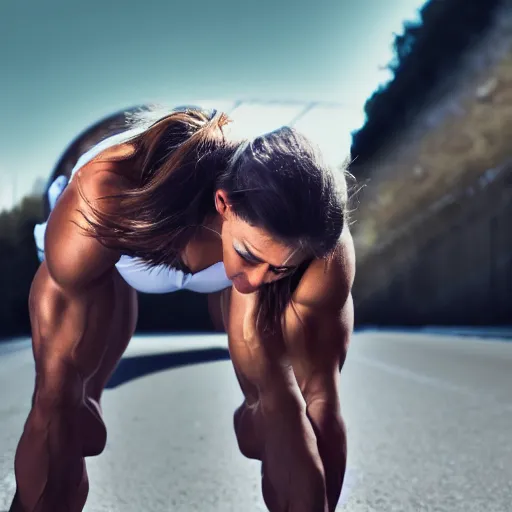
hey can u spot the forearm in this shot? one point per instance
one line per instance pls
(331, 439)
(292, 471)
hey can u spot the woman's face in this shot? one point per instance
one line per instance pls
(251, 256)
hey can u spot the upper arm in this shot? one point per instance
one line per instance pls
(75, 259)
(72, 294)
(318, 324)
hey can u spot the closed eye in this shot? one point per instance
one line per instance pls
(249, 258)
(280, 271)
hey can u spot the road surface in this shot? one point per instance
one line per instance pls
(429, 425)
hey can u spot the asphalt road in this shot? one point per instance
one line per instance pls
(429, 424)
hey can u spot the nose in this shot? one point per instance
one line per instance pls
(256, 275)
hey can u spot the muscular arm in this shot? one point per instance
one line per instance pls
(274, 428)
(318, 326)
(71, 305)
(294, 426)
(321, 339)
(304, 440)
(293, 478)
(71, 295)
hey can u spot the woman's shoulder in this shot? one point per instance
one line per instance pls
(73, 257)
(328, 282)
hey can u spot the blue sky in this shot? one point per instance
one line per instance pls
(66, 64)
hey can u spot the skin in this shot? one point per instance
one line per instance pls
(290, 419)
(83, 315)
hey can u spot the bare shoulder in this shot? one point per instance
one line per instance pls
(74, 258)
(318, 322)
(328, 283)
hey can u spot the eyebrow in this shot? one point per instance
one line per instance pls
(259, 260)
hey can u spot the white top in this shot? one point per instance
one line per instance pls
(160, 279)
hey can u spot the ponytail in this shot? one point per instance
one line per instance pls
(179, 158)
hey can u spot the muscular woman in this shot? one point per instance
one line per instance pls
(260, 225)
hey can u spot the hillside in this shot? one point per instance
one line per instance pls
(462, 133)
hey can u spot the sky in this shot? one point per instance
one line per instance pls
(66, 64)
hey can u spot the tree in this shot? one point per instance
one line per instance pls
(424, 55)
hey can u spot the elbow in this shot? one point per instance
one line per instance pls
(328, 425)
(246, 431)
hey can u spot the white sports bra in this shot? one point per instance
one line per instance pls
(160, 279)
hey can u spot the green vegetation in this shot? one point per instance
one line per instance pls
(432, 229)
(18, 264)
(432, 132)
(425, 55)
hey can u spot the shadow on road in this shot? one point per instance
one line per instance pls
(132, 368)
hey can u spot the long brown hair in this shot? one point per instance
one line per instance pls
(106, 127)
(277, 182)
(179, 158)
(280, 183)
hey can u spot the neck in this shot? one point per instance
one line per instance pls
(214, 224)
(205, 247)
